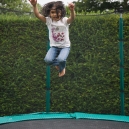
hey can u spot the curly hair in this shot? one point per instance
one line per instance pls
(58, 6)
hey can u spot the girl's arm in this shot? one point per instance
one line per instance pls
(36, 12)
(72, 13)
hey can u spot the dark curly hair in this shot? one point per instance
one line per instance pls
(58, 6)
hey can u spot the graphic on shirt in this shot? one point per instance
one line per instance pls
(58, 34)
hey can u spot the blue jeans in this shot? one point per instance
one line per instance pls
(57, 57)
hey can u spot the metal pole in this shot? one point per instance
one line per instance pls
(121, 61)
(48, 85)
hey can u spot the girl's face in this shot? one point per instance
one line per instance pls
(55, 15)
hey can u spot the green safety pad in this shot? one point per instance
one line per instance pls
(101, 117)
(33, 116)
(58, 115)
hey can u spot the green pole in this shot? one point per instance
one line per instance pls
(48, 85)
(121, 61)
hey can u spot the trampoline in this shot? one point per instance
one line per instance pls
(59, 120)
(43, 120)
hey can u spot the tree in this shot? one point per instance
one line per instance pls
(20, 5)
(80, 7)
(99, 5)
(125, 4)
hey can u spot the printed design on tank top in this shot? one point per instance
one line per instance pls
(58, 33)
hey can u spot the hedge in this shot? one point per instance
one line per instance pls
(92, 80)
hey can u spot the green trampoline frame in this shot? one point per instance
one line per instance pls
(76, 115)
(59, 115)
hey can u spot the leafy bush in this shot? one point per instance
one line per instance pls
(92, 80)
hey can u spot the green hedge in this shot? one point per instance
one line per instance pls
(92, 80)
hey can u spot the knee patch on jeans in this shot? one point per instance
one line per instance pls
(61, 60)
(47, 61)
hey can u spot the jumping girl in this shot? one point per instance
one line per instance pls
(53, 14)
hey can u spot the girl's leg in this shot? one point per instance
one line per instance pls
(51, 55)
(62, 57)
(57, 57)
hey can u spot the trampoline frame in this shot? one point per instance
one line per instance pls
(59, 115)
(77, 115)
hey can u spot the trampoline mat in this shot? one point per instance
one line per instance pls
(66, 124)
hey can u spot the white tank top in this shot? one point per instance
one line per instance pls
(58, 32)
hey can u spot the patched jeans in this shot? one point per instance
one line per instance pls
(57, 57)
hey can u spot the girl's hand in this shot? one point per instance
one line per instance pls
(33, 2)
(71, 6)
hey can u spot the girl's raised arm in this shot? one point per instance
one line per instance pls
(72, 13)
(36, 12)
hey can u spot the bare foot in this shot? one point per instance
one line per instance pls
(62, 73)
(57, 67)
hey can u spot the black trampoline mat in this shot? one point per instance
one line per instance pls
(66, 124)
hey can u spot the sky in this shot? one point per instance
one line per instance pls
(42, 2)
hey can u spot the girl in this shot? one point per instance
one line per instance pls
(53, 14)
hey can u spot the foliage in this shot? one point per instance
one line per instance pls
(17, 5)
(20, 77)
(99, 5)
(91, 83)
